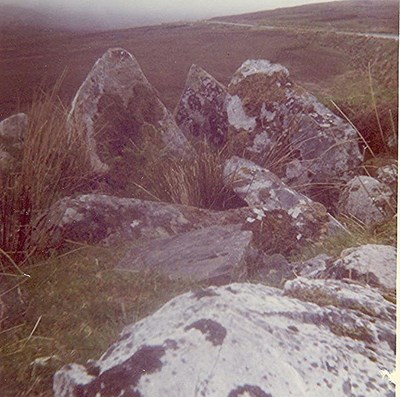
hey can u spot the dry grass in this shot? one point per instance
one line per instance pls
(54, 164)
(195, 180)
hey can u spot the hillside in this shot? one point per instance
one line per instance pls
(349, 15)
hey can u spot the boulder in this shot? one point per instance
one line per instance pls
(114, 105)
(315, 338)
(367, 200)
(388, 174)
(99, 218)
(284, 128)
(259, 187)
(371, 264)
(12, 133)
(104, 219)
(214, 254)
(201, 111)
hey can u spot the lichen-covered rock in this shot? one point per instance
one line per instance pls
(112, 106)
(12, 133)
(372, 264)
(288, 131)
(367, 200)
(215, 253)
(315, 338)
(387, 174)
(259, 187)
(99, 218)
(201, 111)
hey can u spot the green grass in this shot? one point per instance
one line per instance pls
(71, 309)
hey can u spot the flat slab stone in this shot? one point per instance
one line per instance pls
(211, 253)
(316, 338)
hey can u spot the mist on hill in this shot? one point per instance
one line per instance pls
(107, 14)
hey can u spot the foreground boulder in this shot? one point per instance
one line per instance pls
(114, 104)
(12, 133)
(201, 111)
(315, 338)
(290, 132)
(367, 200)
(98, 218)
(217, 254)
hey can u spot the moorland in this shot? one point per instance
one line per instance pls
(60, 315)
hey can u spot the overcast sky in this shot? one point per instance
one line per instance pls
(126, 13)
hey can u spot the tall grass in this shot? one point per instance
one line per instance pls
(54, 164)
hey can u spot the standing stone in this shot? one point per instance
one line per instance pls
(112, 107)
(12, 133)
(201, 111)
(367, 200)
(289, 132)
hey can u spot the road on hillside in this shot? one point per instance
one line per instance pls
(270, 27)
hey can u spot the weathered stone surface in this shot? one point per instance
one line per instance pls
(289, 132)
(387, 174)
(12, 132)
(313, 267)
(367, 200)
(201, 111)
(260, 187)
(112, 106)
(99, 218)
(95, 218)
(215, 253)
(315, 338)
(371, 264)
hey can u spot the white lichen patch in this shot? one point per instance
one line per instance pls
(237, 116)
(255, 66)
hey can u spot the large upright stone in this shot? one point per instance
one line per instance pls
(113, 105)
(316, 338)
(289, 132)
(12, 133)
(201, 111)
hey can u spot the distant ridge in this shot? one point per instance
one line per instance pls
(353, 15)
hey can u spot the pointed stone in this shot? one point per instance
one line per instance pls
(113, 105)
(201, 111)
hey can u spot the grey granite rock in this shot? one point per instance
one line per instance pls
(367, 200)
(215, 253)
(112, 106)
(259, 187)
(289, 132)
(316, 338)
(201, 111)
(12, 134)
(372, 264)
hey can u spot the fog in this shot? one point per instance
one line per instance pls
(113, 13)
